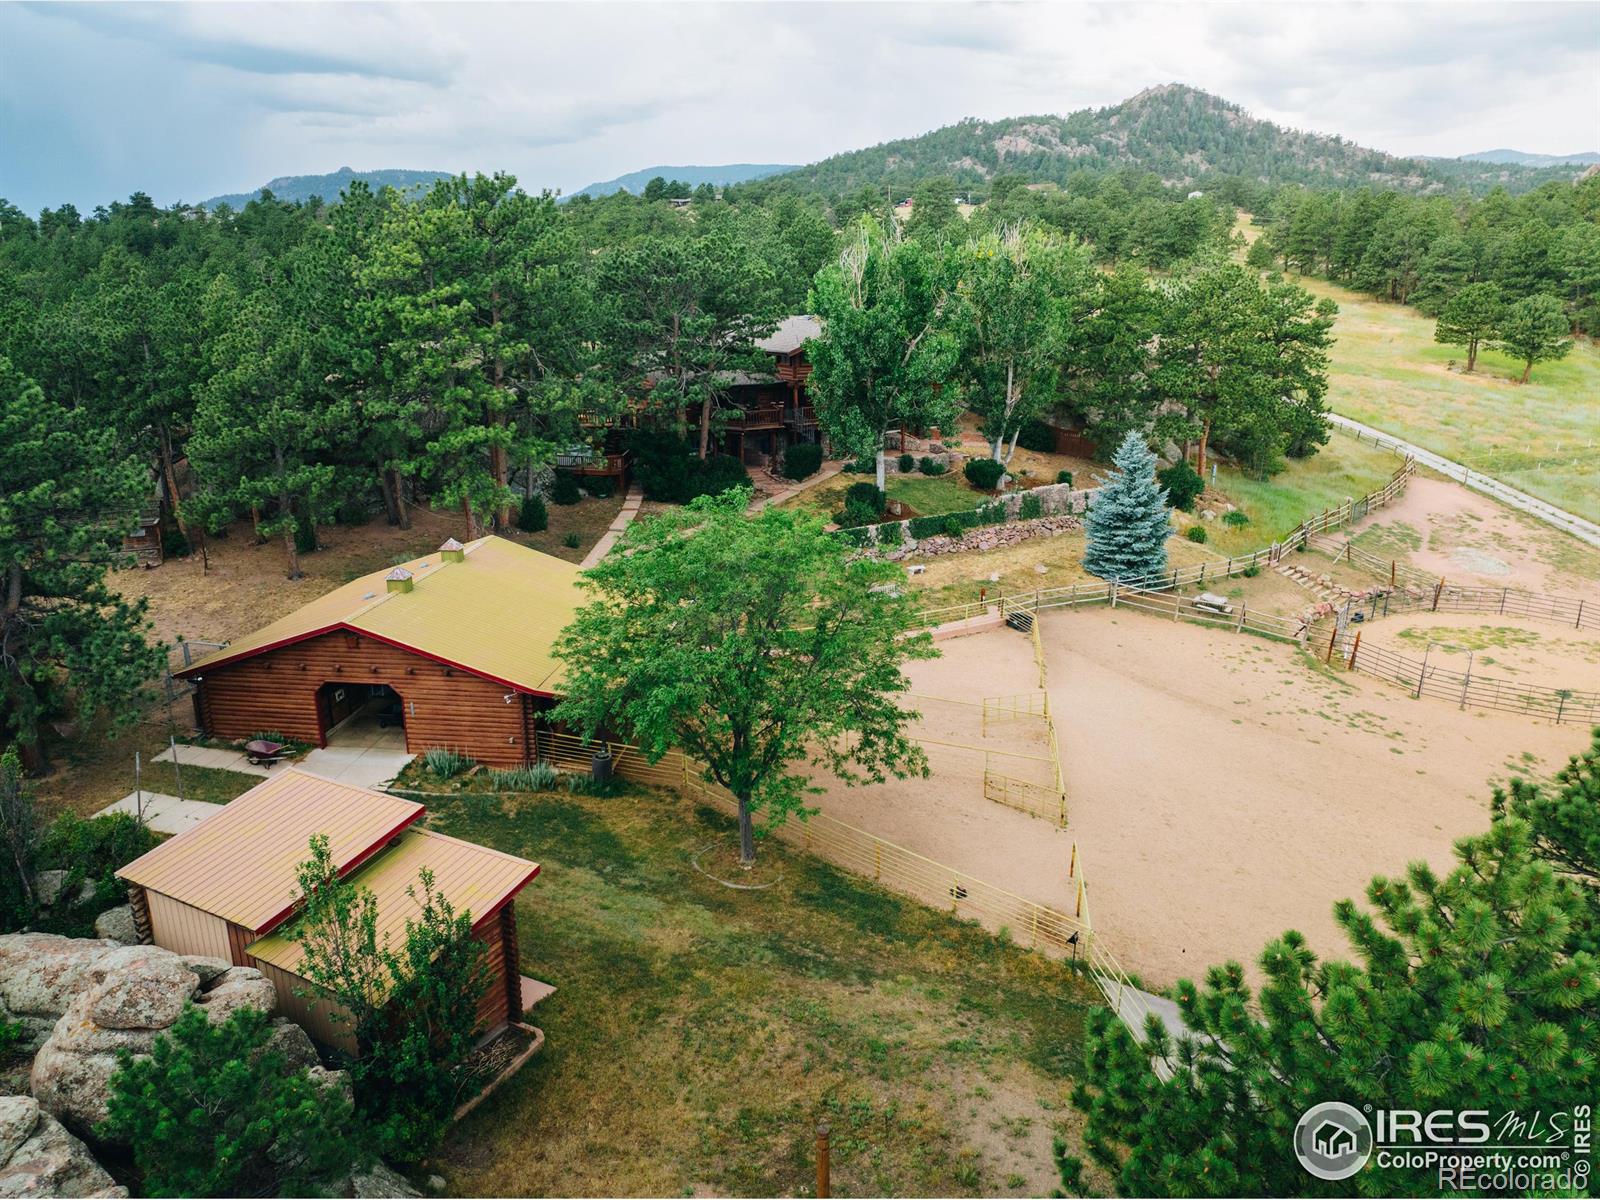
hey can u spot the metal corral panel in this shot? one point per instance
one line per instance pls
(473, 878)
(239, 865)
(497, 613)
(183, 929)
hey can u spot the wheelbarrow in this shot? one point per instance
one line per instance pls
(264, 753)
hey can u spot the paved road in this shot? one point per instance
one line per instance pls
(1587, 531)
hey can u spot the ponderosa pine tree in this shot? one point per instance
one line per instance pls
(1127, 525)
(1472, 990)
(70, 646)
(1469, 318)
(1534, 330)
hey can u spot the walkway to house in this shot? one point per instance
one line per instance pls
(164, 814)
(630, 510)
(210, 756)
(828, 471)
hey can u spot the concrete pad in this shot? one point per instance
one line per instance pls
(210, 756)
(164, 814)
(532, 991)
(357, 767)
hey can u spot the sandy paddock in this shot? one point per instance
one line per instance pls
(1221, 788)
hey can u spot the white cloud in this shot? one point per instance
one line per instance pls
(189, 100)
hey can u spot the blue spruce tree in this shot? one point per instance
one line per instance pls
(1127, 520)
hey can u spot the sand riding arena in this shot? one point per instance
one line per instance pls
(1218, 788)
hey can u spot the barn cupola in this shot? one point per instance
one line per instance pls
(399, 580)
(452, 551)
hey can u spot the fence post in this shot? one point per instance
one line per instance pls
(1437, 588)
(1354, 650)
(1240, 626)
(1504, 592)
(1391, 573)
(1578, 624)
(1333, 637)
(822, 1162)
(1112, 592)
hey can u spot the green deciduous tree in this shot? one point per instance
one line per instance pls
(412, 1007)
(1127, 525)
(69, 644)
(886, 348)
(1534, 330)
(1475, 989)
(1469, 318)
(214, 1111)
(1017, 294)
(754, 645)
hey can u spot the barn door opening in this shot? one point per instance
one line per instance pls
(363, 715)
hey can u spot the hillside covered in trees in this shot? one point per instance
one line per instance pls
(297, 189)
(1179, 133)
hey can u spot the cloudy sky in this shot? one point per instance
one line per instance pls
(186, 101)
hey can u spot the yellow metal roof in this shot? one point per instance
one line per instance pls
(497, 613)
(240, 864)
(473, 878)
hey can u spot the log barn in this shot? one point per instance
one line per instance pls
(227, 889)
(455, 648)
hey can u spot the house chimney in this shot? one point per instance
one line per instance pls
(452, 551)
(399, 580)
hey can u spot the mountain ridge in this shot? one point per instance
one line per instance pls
(694, 176)
(298, 189)
(1181, 133)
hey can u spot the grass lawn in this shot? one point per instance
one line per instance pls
(1543, 436)
(698, 1034)
(930, 495)
(1343, 469)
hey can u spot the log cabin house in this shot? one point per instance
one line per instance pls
(774, 412)
(227, 889)
(456, 647)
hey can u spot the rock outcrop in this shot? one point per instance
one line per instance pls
(116, 924)
(40, 973)
(115, 998)
(38, 1157)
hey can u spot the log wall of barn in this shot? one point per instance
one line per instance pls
(444, 706)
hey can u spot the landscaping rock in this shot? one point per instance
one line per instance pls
(117, 925)
(291, 1041)
(436, 1183)
(147, 992)
(47, 886)
(40, 973)
(208, 969)
(38, 1157)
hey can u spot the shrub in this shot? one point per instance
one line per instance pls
(1030, 508)
(669, 470)
(174, 544)
(855, 512)
(564, 488)
(930, 466)
(1037, 436)
(600, 487)
(261, 1130)
(984, 473)
(90, 851)
(353, 510)
(305, 536)
(989, 514)
(1183, 484)
(893, 534)
(570, 541)
(868, 494)
(1235, 519)
(1196, 533)
(1064, 477)
(445, 763)
(907, 463)
(953, 526)
(862, 466)
(533, 516)
(1251, 571)
(922, 527)
(802, 460)
(539, 777)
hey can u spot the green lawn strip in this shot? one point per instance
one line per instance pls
(198, 783)
(698, 1033)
